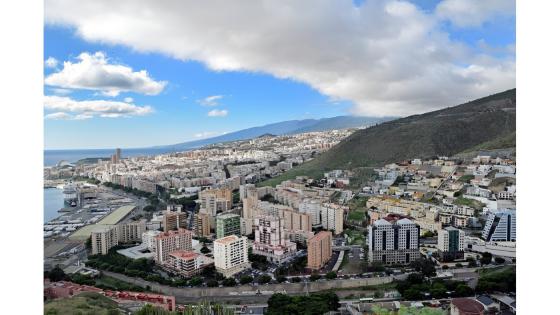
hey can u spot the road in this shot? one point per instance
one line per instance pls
(251, 293)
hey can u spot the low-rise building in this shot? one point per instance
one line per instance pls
(186, 263)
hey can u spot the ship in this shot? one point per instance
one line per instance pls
(70, 195)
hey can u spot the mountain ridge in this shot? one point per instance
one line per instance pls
(282, 128)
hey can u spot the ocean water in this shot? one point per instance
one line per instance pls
(52, 157)
(53, 200)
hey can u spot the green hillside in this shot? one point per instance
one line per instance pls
(83, 303)
(443, 132)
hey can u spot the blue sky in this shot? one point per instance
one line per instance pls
(252, 93)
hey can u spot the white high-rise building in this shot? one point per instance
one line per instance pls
(231, 255)
(313, 208)
(332, 217)
(393, 243)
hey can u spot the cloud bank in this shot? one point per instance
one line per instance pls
(66, 108)
(386, 57)
(94, 72)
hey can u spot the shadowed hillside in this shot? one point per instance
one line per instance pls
(444, 132)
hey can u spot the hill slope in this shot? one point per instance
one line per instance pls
(281, 128)
(443, 132)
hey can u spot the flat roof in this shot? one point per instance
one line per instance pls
(117, 215)
(111, 219)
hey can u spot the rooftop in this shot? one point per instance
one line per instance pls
(227, 239)
(468, 306)
(184, 254)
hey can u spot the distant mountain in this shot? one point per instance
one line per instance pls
(283, 128)
(486, 123)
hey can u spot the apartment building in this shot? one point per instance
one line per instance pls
(393, 242)
(271, 240)
(149, 239)
(173, 220)
(104, 238)
(451, 244)
(319, 250)
(170, 241)
(132, 231)
(186, 263)
(202, 224)
(332, 217)
(228, 224)
(312, 207)
(231, 255)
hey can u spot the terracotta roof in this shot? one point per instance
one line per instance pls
(468, 306)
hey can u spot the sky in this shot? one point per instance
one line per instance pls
(135, 74)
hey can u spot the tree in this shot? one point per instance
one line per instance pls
(205, 250)
(196, 281)
(246, 279)
(149, 208)
(264, 279)
(464, 290)
(459, 265)
(229, 282)
(281, 279)
(296, 279)
(486, 258)
(212, 283)
(56, 274)
(499, 260)
(331, 275)
(314, 277)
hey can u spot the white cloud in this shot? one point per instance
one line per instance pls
(469, 13)
(67, 108)
(387, 57)
(128, 99)
(94, 72)
(51, 62)
(217, 113)
(210, 100)
(58, 116)
(59, 91)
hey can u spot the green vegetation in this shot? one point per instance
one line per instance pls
(314, 277)
(142, 268)
(499, 279)
(417, 287)
(358, 209)
(477, 205)
(330, 275)
(355, 237)
(361, 176)
(83, 303)
(246, 279)
(443, 132)
(314, 304)
(377, 310)
(503, 142)
(202, 308)
(466, 178)
(108, 283)
(264, 279)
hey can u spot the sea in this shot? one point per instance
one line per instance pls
(52, 157)
(53, 200)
